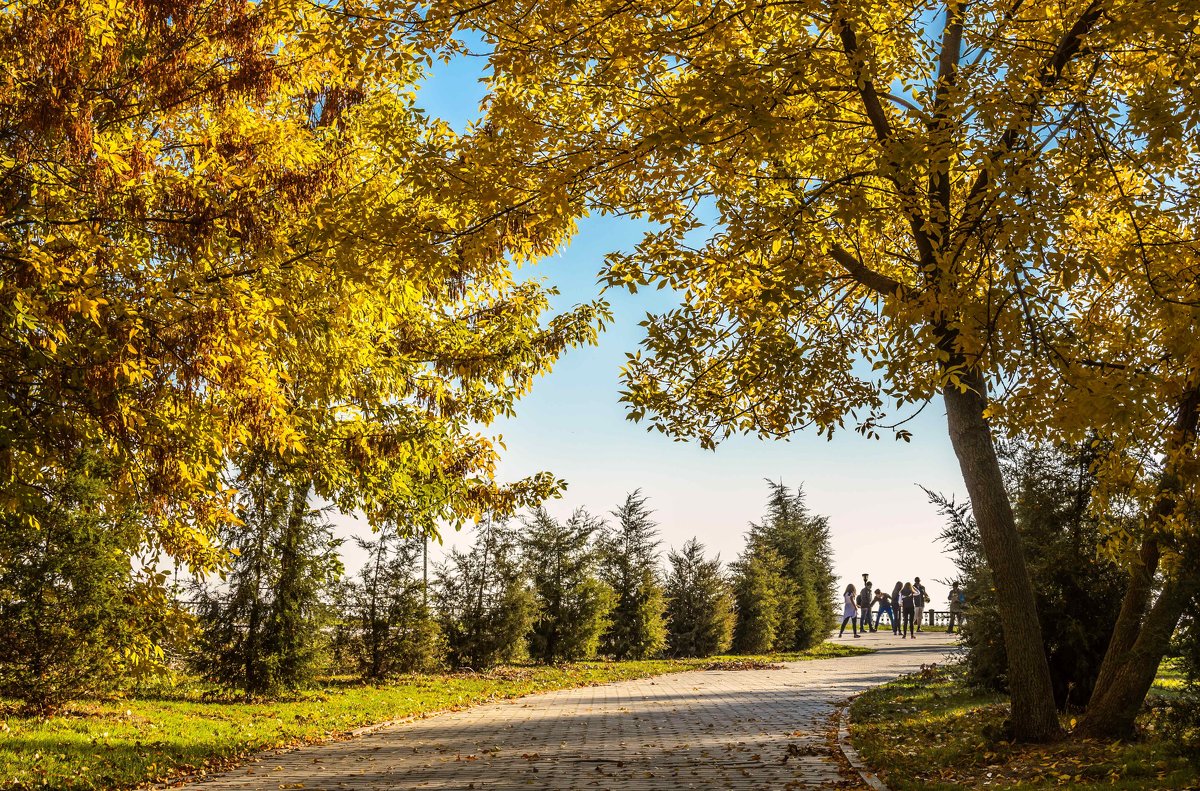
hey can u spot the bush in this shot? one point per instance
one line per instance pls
(759, 594)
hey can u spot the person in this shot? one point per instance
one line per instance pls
(958, 600)
(908, 606)
(885, 606)
(896, 592)
(865, 599)
(849, 612)
(919, 602)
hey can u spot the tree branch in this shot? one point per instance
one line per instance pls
(862, 274)
(884, 135)
(1048, 76)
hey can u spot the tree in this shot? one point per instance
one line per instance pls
(76, 618)
(573, 603)
(761, 601)
(699, 604)
(227, 230)
(263, 620)
(899, 195)
(1052, 492)
(485, 602)
(799, 542)
(396, 629)
(629, 566)
(1133, 392)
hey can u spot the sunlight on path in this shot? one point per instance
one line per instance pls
(756, 729)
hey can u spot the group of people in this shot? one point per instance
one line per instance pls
(904, 607)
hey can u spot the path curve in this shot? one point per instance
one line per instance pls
(747, 729)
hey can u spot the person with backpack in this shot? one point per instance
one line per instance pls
(920, 601)
(896, 593)
(866, 598)
(885, 606)
(849, 611)
(908, 597)
(958, 601)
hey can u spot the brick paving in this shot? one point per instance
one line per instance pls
(747, 729)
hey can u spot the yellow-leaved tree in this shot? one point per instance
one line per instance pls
(228, 235)
(899, 189)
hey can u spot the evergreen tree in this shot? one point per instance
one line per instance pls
(394, 627)
(573, 603)
(791, 559)
(1051, 489)
(485, 602)
(262, 625)
(699, 604)
(629, 565)
(762, 600)
(80, 611)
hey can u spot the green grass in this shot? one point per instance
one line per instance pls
(949, 742)
(1169, 682)
(159, 737)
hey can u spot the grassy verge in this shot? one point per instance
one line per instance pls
(930, 731)
(156, 738)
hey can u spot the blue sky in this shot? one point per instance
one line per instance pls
(572, 425)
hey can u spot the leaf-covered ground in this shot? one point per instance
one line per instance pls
(156, 738)
(930, 731)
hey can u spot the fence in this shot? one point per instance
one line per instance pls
(929, 618)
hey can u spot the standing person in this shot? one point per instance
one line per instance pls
(920, 601)
(896, 593)
(885, 606)
(865, 599)
(908, 607)
(849, 612)
(957, 600)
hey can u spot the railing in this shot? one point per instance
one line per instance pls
(929, 618)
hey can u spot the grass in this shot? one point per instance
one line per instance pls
(157, 738)
(930, 731)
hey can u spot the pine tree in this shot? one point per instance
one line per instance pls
(485, 602)
(798, 540)
(262, 624)
(573, 603)
(395, 629)
(80, 610)
(699, 604)
(629, 565)
(762, 600)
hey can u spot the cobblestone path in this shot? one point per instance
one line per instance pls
(747, 729)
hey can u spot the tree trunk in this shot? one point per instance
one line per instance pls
(1113, 709)
(1034, 717)
(1140, 638)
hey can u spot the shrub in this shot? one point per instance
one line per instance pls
(1077, 591)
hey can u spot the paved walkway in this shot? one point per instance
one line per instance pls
(748, 729)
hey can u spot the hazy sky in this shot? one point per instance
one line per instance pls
(572, 425)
